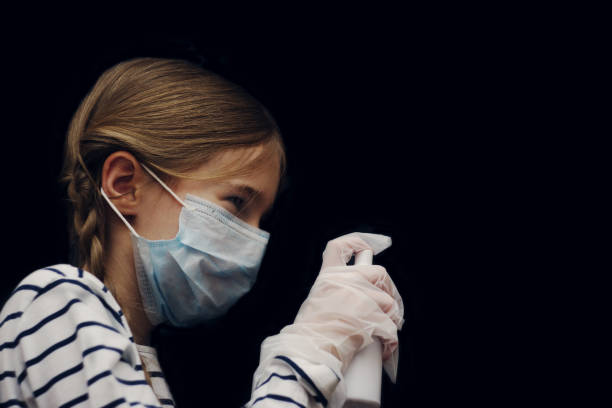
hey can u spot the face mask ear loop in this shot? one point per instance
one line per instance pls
(165, 186)
(127, 224)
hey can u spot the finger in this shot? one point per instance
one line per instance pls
(377, 275)
(390, 306)
(389, 345)
(371, 281)
(340, 250)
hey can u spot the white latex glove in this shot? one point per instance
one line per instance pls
(347, 308)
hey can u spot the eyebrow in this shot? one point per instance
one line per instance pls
(251, 194)
(246, 189)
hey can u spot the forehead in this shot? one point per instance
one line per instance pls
(263, 176)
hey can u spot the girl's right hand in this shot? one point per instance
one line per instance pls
(349, 307)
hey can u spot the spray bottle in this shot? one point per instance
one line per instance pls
(364, 375)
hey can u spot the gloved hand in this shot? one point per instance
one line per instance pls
(347, 308)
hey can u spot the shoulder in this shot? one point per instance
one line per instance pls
(58, 287)
(53, 273)
(56, 281)
(61, 322)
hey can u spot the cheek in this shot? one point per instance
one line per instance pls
(159, 220)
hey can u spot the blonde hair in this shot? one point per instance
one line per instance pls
(173, 116)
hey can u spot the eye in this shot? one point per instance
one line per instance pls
(237, 201)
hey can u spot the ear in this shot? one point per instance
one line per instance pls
(121, 175)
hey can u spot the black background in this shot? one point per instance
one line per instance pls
(424, 130)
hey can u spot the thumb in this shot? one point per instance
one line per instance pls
(340, 250)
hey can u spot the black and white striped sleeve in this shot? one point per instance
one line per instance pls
(292, 382)
(68, 345)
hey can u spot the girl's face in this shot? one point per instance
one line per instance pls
(248, 197)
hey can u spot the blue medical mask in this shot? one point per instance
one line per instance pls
(204, 270)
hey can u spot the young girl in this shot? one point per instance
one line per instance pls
(170, 169)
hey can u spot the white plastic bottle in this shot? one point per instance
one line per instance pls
(364, 375)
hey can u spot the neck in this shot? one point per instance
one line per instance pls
(120, 278)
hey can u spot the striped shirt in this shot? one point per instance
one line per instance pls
(285, 382)
(65, 342)
(149, 359)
